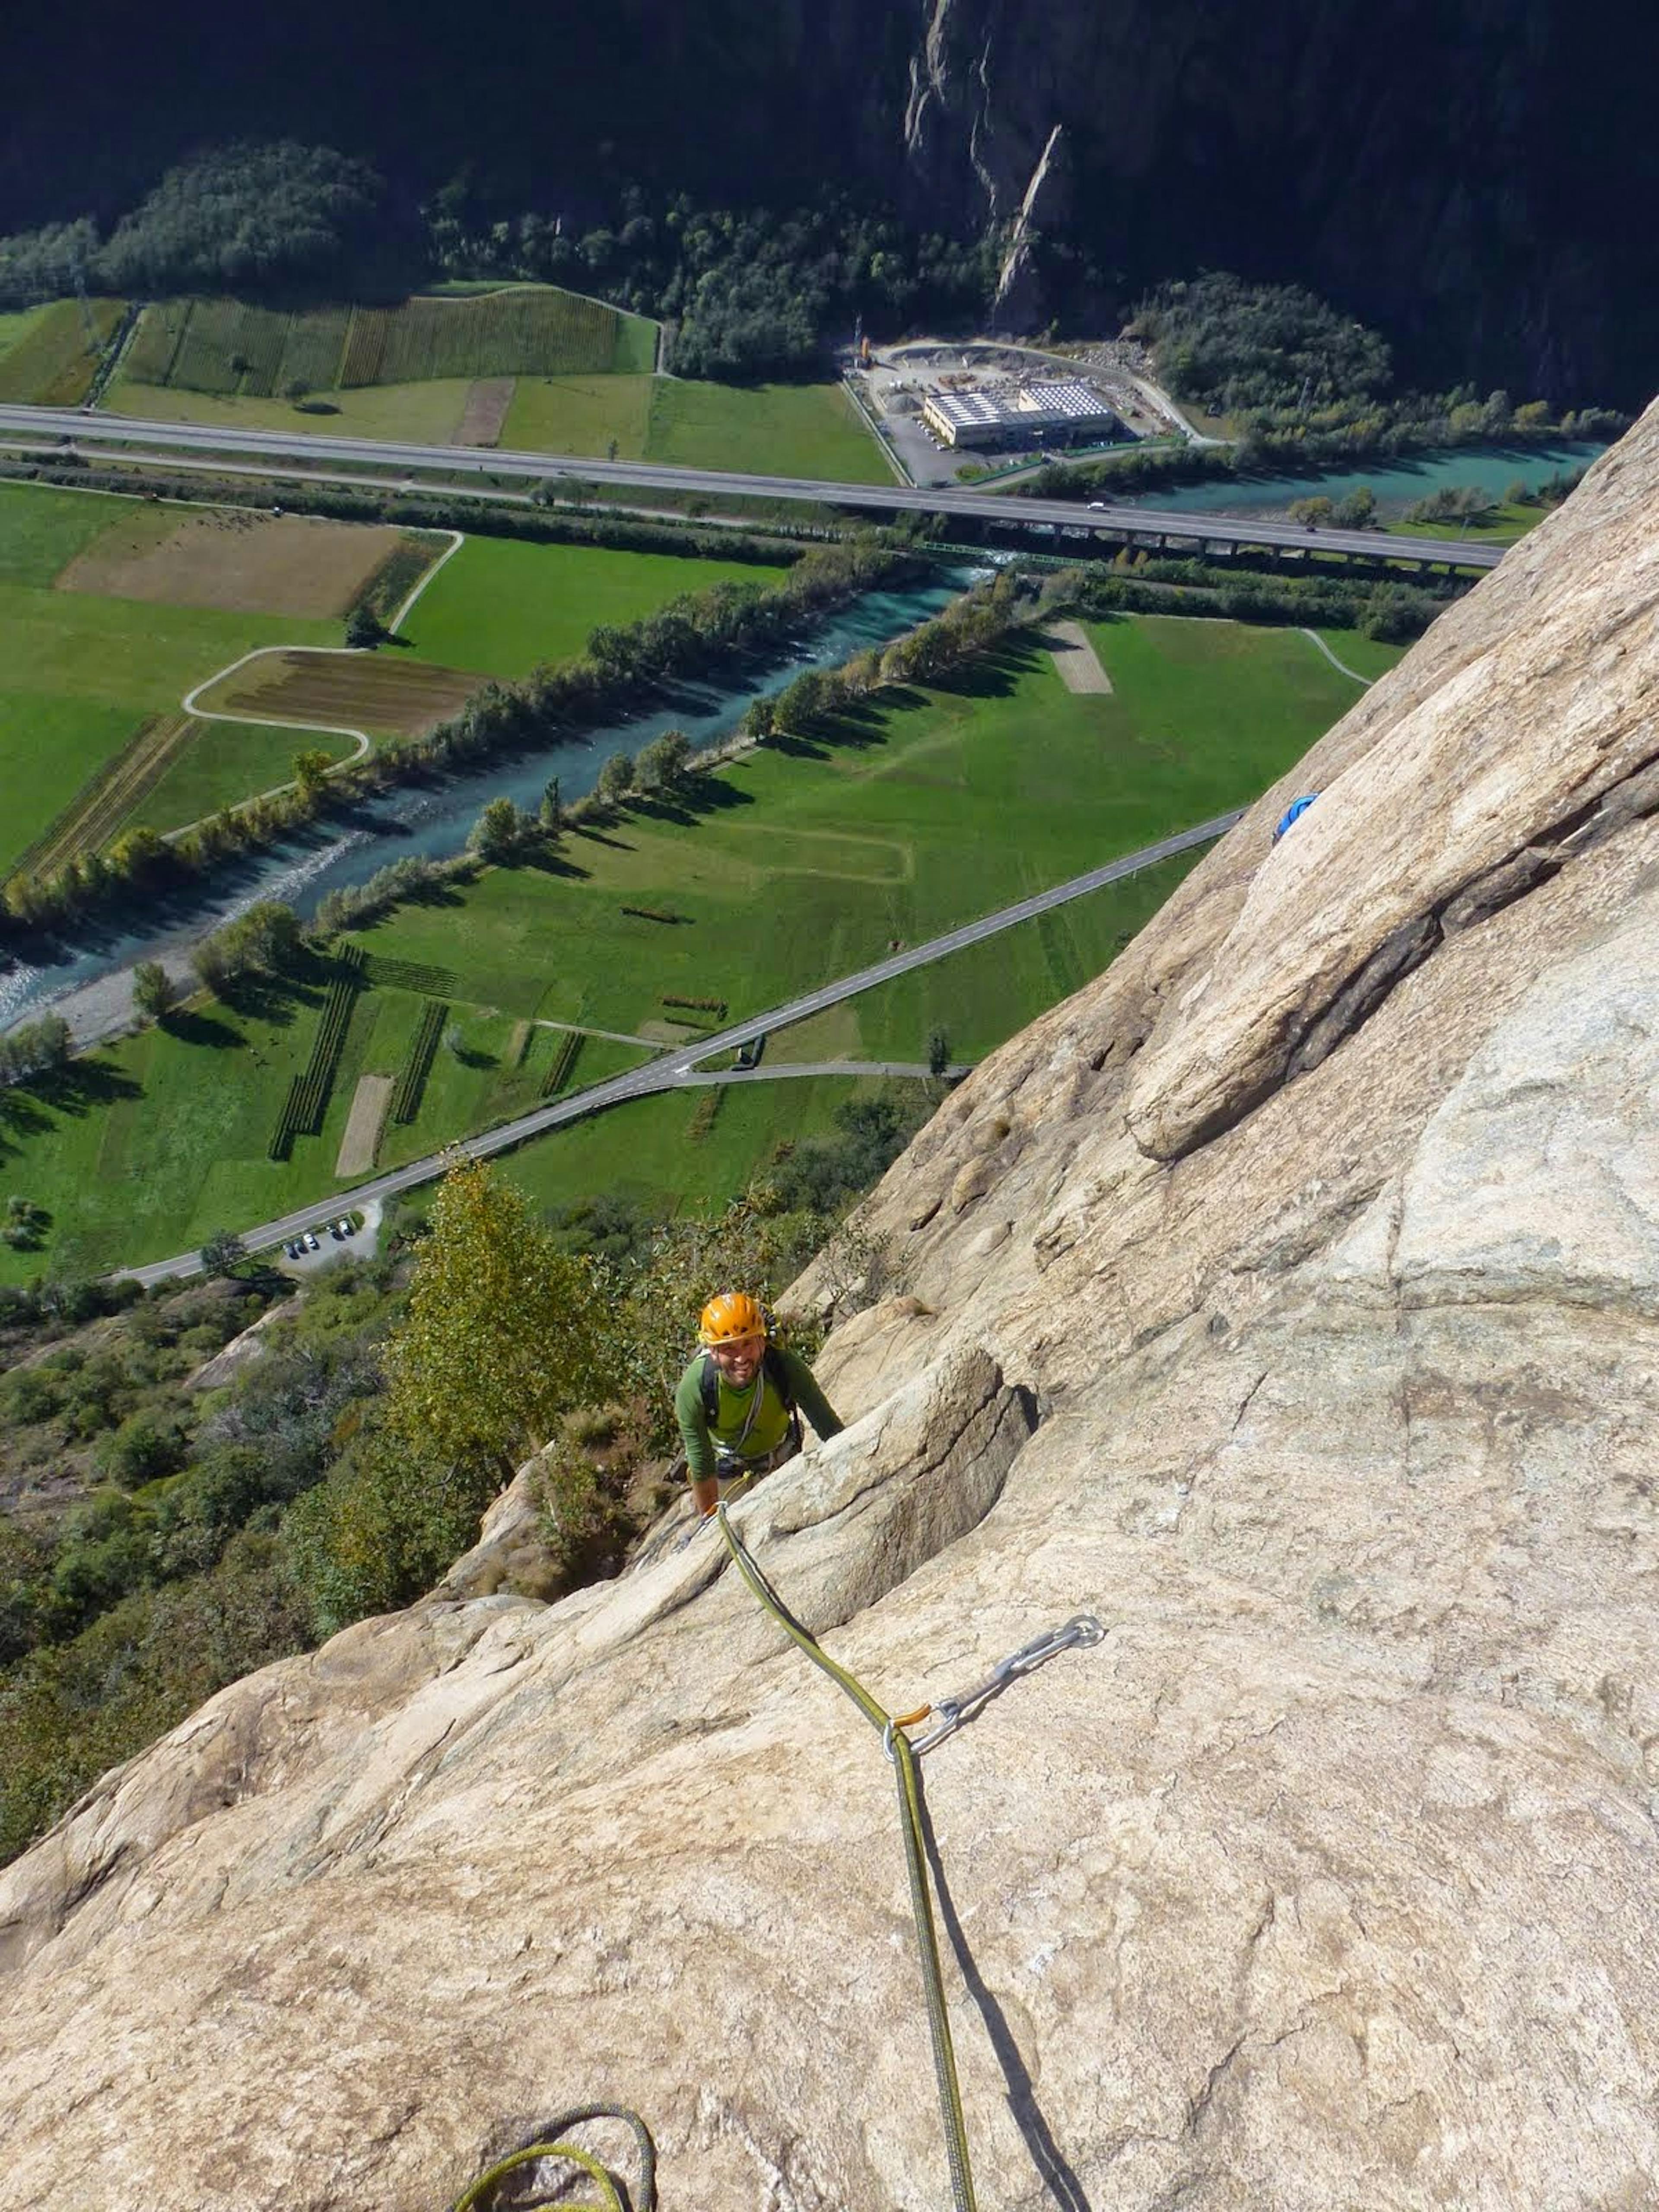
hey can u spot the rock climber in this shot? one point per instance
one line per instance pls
(740, 1400)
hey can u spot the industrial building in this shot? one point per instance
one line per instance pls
(1061, 410)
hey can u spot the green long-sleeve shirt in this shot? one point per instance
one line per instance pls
(766, 1431)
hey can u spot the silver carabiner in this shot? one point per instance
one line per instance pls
(1081, 1630)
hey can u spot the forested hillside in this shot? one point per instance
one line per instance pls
(1464, 182)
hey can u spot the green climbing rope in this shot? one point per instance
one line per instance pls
(897, 1747)
(544, 2144)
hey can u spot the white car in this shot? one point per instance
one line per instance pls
(311, 1240)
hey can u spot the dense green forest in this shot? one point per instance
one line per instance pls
(747, 293)
(256, 220)
(751, 294)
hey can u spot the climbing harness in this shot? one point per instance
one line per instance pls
(544, 2144)
(1082, 1629)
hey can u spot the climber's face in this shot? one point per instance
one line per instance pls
(738, 1359)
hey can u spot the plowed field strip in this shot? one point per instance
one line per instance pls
(362, 1130)
(344, 691)
(101, 806)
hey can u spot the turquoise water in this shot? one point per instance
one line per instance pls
(1398, 484)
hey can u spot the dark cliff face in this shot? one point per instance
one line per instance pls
(1482, 179)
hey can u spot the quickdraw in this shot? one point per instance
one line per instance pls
(1082, 1629)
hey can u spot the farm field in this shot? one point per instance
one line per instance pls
(49, 748)
(83, 674)
(782, 429)
(46, 357)
(159, 1138)
(382, 695)
(799, 868)
(42, 530)
(220, 763)
(88, 677)
(226, 346)
(576, 416)
(420, 413)
(984, 995)
(113, 610)
(802, 430)
(500, 605)
(787, 868)
(649, 1151)
(207, 556)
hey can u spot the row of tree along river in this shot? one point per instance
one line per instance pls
(431, 818)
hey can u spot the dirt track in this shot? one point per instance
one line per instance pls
(1075, 658)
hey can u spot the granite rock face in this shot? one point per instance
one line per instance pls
(1326, 1376)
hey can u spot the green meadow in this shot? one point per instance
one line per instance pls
(659, 1154)
(800, 863)
(787, 867)
(778, 429)
(81, 673)
(428, 413)
(1501, 524)
(78, 673)
(1367, 656)
(575, 415)
(223, 763)
(500, 606)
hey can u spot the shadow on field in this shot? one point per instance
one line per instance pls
(586, 829)
(80, 1086)
(191, 1028)
(547, 862)
(662, 806)
(277, 1000)
(996, 675)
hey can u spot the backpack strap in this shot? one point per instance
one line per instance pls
(772, 1364)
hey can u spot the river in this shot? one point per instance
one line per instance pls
(433, 818)
(1398, 484)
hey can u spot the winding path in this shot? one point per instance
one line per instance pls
(679, 1068)
(189, 702)
(1340, 666)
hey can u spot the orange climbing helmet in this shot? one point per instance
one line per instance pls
(734, 1315)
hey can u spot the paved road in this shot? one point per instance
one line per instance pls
(674, 1069)
(82, 429)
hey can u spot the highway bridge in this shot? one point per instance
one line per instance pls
(197, 444)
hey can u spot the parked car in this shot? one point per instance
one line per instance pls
(291, 1249)
(311, 1240)
(346, 1226)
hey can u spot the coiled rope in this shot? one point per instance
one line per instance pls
(898, 1749)
(544, 2144)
